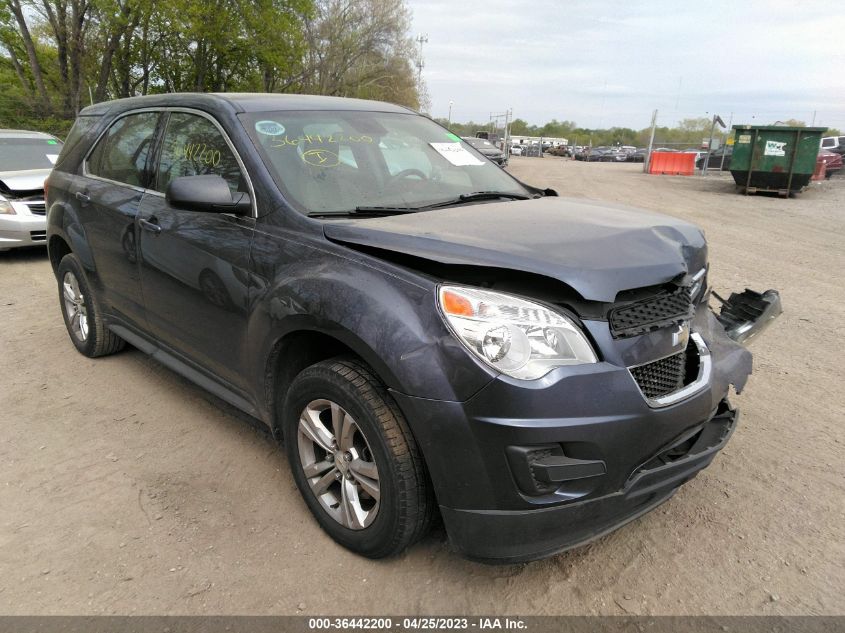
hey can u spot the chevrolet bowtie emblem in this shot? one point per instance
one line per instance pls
(680, 337)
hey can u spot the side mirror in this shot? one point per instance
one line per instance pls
(209, 194)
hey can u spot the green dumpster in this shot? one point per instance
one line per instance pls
(774, 157)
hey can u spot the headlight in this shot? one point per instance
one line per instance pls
(5, 207)
(517, 337)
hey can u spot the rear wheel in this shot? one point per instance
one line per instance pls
(354, 460)
(81, 312)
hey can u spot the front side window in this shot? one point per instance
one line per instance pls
(338, 161)
(194, 146)
(121, 154)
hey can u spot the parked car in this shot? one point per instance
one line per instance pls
(487, 148)
(835, 144)
(437, 338)
(25, 161)
(614, 155)
(832, 163)
(596, 154)
(516, 150)
(637, 156)
(561, 150)
(715, 161)
(531, 150)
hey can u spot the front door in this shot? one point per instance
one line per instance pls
(194, 265)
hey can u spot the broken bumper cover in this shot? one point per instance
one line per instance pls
(519, 536)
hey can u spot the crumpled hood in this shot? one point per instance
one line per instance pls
(25, 180)
(596, 248)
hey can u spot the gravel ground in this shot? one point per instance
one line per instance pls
(124, 489)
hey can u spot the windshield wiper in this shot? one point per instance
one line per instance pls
(365, 210)
(479, 195)
(389, 210)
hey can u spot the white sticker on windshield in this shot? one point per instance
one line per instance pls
(53, 158)
(269, 128)
(456, 154)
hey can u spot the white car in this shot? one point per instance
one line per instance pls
(516, 150)
(26, 159)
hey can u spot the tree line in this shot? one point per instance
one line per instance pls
(57, 56)
(688, 132)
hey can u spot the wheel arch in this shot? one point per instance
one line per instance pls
(303, 347)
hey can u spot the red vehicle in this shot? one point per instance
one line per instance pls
(828, 163)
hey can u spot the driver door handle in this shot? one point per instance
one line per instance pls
(84, 198)
(149, 226)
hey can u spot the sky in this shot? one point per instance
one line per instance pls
(611, 63)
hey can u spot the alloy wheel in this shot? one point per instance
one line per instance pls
(75, 308)
(338, 464)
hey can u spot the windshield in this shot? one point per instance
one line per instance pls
(18, 154)
(338, 161)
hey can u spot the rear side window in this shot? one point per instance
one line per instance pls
(121, 154)
(828, 142)
(194, 146)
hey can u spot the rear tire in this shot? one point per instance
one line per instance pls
(82, 313)
(338, 414)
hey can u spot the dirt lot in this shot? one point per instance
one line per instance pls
(124, 489)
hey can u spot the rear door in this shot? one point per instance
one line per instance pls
(195, 265)
(108, 195)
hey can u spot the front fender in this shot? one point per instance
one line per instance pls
(390, 322)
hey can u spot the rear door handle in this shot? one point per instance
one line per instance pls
(149, 226)
(84, 198)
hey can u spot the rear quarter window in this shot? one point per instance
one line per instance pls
(80, 129)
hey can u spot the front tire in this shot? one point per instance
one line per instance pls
(82, 313)
(354, 459)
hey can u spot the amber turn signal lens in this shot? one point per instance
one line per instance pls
(455, 304)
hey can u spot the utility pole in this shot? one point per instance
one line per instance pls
(421, 39)
(647, 160)
(451, 103)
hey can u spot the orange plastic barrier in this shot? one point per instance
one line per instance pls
(821, 170)
(672, 163)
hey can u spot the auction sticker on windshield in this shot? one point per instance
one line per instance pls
(456, 154)
(269, 128)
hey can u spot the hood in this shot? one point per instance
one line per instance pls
(597, 249)
(25, 180)
(489, 151)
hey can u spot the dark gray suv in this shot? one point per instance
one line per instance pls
(427, 335)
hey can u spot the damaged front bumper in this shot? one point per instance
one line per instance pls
(525, 469)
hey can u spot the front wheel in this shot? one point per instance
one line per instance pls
(354, 459)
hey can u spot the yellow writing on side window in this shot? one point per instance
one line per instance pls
(200, 153)
(311, 139)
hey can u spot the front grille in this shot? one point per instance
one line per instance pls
(38, 208)
(663, 376)
(38, 236)
(646, 315)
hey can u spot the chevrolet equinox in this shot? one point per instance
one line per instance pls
(428, 336)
